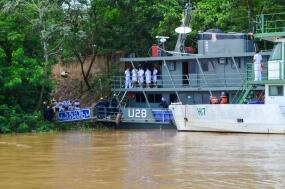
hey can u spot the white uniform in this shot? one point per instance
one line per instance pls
(134, 75)
(141, 76)
(148, 76)
(154, 75)
(257, 67)
(128, 79)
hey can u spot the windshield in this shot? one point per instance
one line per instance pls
(277, 52)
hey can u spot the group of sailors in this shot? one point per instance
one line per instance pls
(224, 99)
(66, 105)
(137, 78)
(49, 109)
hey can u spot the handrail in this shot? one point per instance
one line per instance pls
(191, 80)
(267, 23)
(269, 69)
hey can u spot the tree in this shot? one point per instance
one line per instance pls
(44, 18)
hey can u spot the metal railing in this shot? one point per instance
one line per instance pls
(187, 81)
(267, 23)
(270, 71)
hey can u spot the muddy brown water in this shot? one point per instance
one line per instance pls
(141, 159)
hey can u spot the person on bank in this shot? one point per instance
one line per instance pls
(128, 78)
(163, 103)
(257, 58)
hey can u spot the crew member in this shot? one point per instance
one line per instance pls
(134, 77)
(224, 98)
(114, 105)
(127, 78)
(154, 76)
(214, 100)
(141, 76)
(76, 105)
(163, 103)
(257, 66)
(147, 77)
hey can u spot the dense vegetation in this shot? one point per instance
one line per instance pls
(34, 33)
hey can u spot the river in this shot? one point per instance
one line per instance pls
(150, 159)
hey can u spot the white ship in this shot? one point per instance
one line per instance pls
(268, 117)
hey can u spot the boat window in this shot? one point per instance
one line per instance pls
(277, 52)
(173, 97)
(276, 90)
(140, 98)
(193, 67)
(154, 98)
(205, 66)
(171, 66)
(237, 61)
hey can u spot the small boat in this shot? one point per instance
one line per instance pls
(249, 114)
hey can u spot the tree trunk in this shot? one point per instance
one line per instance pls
(249, 14)
(85, 75)
(46, 57)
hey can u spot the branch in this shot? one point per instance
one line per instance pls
(91, 63)
(57, 46)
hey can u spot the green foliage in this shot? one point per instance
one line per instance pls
(33, 32)
(14, 120)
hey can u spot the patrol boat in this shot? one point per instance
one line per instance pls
(183, 76)
(257, 115)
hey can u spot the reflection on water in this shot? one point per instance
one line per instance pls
(142, 159)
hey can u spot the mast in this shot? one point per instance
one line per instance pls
(179, 47)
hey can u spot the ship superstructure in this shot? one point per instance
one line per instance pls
(251, 113)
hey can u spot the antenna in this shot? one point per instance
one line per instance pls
(183, 30)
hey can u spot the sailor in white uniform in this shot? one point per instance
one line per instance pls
(147, 77)
(134, 77)
(154, 76)
(128, 78)
(257, 66)
(141, 76)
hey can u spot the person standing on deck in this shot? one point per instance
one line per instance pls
(147, 77)
(163, 103)
(127, 78)
(257, 66)
(141, 76)
(134, 77)
(154, 76)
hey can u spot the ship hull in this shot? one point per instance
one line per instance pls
(247, 118)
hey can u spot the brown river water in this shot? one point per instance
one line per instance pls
(141, 159)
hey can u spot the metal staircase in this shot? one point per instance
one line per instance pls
(246, 92)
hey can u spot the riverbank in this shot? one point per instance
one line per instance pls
(38, 126)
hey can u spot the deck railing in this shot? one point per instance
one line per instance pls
(270, 71)
(268, 23)
(187, 81)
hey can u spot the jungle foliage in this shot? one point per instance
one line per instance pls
(34, 33)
